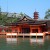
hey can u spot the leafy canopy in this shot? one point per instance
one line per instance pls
(47, 16)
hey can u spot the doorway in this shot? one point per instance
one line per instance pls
(34, 30)
(25, 30)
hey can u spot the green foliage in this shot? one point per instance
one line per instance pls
(5, 19)
(2, 19)
(47, 16)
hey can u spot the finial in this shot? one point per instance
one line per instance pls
(35, 10)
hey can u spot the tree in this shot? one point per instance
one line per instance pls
(3, 18)
(47, 16)
(12, 19)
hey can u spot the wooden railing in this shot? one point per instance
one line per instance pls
(25, 34)
(36, 34)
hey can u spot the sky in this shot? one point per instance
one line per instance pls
(26, 6)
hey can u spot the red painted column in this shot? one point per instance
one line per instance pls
(18, 30)
(39, 30)
(30, 29)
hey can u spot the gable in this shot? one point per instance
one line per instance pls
(24, 19)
